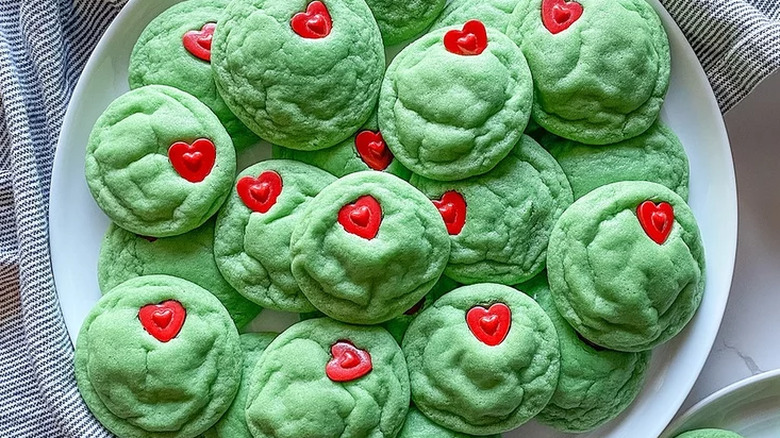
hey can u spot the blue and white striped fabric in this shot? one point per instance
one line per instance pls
(43, 47)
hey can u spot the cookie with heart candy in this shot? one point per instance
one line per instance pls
(175, 50)
(368, 248)
(656, 156)
(626, 265)
(252, 237)
(124, 255)
(365, 150)
(233, 423)
(158, 356)
(159, 163)
(601, 67)
(455, 102)
(418, 425)
(595, 384)
(710, 433)
(484, 359)
(303, 75)
(402, 20)
(492, 13)
(500, 222)
(322, 378)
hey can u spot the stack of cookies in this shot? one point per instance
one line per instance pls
(492, 229)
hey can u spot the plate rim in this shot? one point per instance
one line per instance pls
(732, 217)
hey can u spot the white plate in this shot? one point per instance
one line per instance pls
(77, 225)
(750, 407)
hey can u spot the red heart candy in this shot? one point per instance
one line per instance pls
(416, 308)
(373, 150)
(261, 193)
(348, 362)
(198, 42)
(452, 208)
(315, 23)
(362, 218)
(490, 326)
(163, 321)
(558, 15)
(472, 40)
(656, 219)
(193, 161)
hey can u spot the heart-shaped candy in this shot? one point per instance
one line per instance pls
(490, 326)
(452, 208)
(558, 15)
(472, 40)
(373, 150)
(198, 42)
(163, 321)
(348, 362)
(193, 161)
(656, 219)
(362, 218)
(315, 23)
(416, 308)
(261, 193)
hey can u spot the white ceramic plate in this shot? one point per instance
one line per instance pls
(750, 407)
(77, 225)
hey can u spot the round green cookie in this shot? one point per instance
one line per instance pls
(483, 359)
(595, 384)
(626, 265)
(710, 433)
(398, 325)
(159, 163)
(252, 238)
(233, 423)
(168, 53)
(158, 357)
(600, 67)
(402, 20)
(324, 379)
(124, 255)
(288, 84)
(368, 247)
(494, 13)
(655, 156)
(500, 222)
(448, 116)
(418, 425)
(366, 150)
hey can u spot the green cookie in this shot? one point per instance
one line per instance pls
(418, 425)
(366, 150)
(368, 247)
(595, 384)
(600, 67)
(252, 238)
(448, 116)
(233, 423)
(626, 265)
(159, 163)
(158, 357)
(655, 156)
(500, 222)
(324, 379)
(493, 13)
(402, 20)
(168, 53)
(483, 359)
(398, 326)
(124, 255)
(287, 82)
(710, 433)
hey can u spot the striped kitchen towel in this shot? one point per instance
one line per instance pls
(43, 47)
